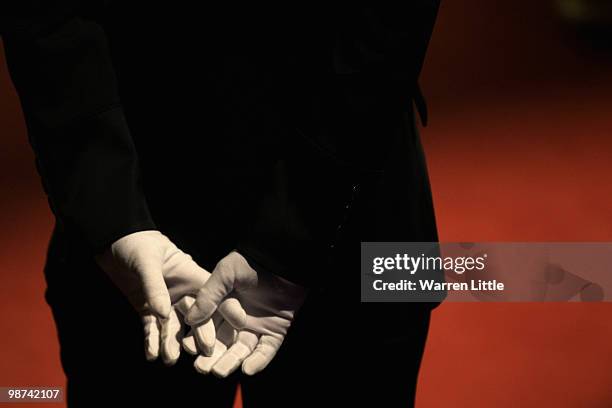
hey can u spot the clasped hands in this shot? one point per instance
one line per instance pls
(230, 318)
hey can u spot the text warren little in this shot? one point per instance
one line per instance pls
(432, 285)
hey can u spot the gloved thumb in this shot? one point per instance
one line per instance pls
(217, 287)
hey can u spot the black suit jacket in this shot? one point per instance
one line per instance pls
(248, 127)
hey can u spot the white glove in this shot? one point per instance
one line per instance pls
(153, 273)
(269, 302)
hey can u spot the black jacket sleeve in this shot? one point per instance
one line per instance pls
(61, 69)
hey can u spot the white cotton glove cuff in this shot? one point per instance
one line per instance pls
(272, 305)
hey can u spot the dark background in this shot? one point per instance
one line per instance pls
(519, 149)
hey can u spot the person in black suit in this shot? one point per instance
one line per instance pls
(285, 133)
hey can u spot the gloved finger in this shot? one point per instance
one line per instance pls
(203, 364)
(262, 355)
(171, 336)
(189, 343)
(235, 355)
(233, 313)
(218, 286)
(151, 336)
(154, 288)
(205, 336)
(226, 334)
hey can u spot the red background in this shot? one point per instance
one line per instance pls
(519, 149)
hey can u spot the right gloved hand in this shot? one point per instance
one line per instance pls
(270, 303)
(153, 274)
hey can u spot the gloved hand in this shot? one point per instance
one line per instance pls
(269, 302)
(153, 274)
